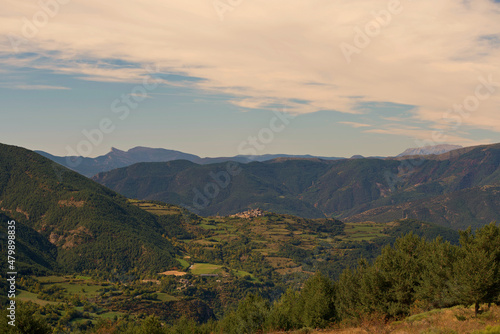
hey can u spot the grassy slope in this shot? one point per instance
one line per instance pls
(456, 320)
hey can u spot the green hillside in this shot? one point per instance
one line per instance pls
(34, 253)
(92, 227)
(457, 210)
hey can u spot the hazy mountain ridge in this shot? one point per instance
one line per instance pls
(315, 188)
(117, 158)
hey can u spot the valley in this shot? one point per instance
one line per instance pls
(89, 257)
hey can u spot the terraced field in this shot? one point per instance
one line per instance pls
(364, 231)
(287, 243)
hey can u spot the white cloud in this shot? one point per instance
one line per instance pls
(355, 124)
(267, 52)
(423, 137)
(39, 87)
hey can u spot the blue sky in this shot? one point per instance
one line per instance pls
(219, 77)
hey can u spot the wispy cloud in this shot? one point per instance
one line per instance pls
(147, 96)
(355, 124)
(423, 136)
(267, 52)
(39, 87)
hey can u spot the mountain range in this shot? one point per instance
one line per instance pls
(117, 159)
(455, 189)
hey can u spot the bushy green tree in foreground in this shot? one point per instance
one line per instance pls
(477, 276)
(250, 317)
(425, 274)
(285, 315)
(434, 289)
(316, 302)
(151, 325)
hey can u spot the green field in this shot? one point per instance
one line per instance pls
(209, 227)
(183, 263)
(111, 315)
(242, 273)
(363, 231)
(206, 268)
(156, 209)
(32, 297)
(164, 297)
(51, 279)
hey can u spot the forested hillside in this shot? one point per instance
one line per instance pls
(456, 189)
(92, 226)
(457, 210)
(34, 253)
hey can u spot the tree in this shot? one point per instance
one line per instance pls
(316, 302)
(434, 289)
(285, 314)
(151, 325)
(476, 274)
(347, 290)
(184, 325)
(250, 317)
(474, 278)
(401, 268)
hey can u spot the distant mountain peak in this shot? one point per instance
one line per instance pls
(427, 150)
(144, 148)
(115, 150)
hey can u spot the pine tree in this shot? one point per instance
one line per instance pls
(437, 272)
(477, 271)
(347, 294)
(400, 268)
(286, 312)
(250, 317)
(317, 299)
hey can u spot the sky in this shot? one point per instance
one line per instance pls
(229, 77)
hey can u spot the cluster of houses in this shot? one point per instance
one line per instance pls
(252, 213)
